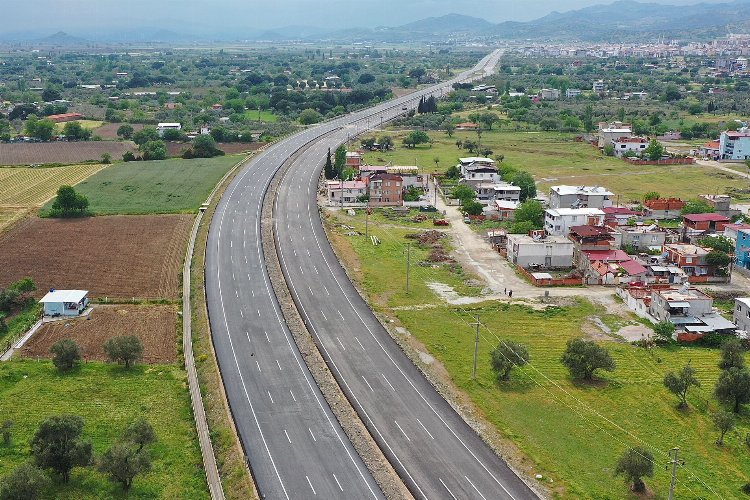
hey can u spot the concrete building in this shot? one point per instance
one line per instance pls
(410, 176)
(65, 302)
(598, 86)
(385, 190)
(558, 221)
(477, 170)
(345, 192)
(664, 208)
(698, 225)
(548, 252)
(163, 127)
(624, 145)
(579, 197)
(741, 314)
(721, 204)
(641, 238)
(615, 130)
(353, 159)
(549, 94)
(742, 248)
(690, 310)
(572, 93)
(734, 145)
(498, 191)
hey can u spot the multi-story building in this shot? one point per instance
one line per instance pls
(615, 130)
(741, 314)
(572, 93)
(549, 94)
(579, 197)
(598, 86)
(734, 145)
(640, 238)
(475, 171)
(540, 251)
(385, 190)
(498, 191)
(558, 221)
(624, 145)
(742, 248)
(664, 208)
(345, 192)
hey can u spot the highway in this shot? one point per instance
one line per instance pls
(295, 447)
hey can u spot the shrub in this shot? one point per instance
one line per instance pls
(66, 354)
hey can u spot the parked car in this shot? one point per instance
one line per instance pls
(440, 222)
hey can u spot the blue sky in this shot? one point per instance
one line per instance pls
(210, 16)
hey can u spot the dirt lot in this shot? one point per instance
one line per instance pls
(154, 325)
(113, 256)
(61, 152)
(109, 130)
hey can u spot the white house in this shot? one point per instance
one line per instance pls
(547, 252)
(549, 94)
(498, 191)
(598, 86)
(579, 197)
(741, 314)
(475, 171)
(345, 192)
(614, 130)
(572, 93)
(734, 145)
(163, 127)
(624, 144)
(65, 302)
(558, 221)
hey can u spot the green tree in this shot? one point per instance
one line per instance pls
(671, 93)
(472, 207)
(652, 195)
(488, 120)
(328, 170)
(140, 433)
(526, 182)
(724, 422)
(609, 150)
(74, 131)
(463, 192)
(449, 128)
(635, 464)
(65, 354)
(696, 207)
(51, 93)
(153, 150)
(588, 118)
(583, 357)
(453, 172)
(172, 134)
(126, 349)
(654, 151)
(122, 463)
(40, 129)
(530, 211)
(106, 158)
(505, 356)
(733, 388)
(125, 131)
(57, 445)
(145, 135)
(204, 146)
(718, 258)
(679, 383)
(416, 137)
(732, 354)
(309, 116)
(68, 203)
(25, 482)
(664, 330)
(386, 142)
(717, 242)
(339, 161)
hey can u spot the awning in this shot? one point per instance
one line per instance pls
(678, 303)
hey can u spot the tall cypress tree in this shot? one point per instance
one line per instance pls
(431, 105)
(329, 172)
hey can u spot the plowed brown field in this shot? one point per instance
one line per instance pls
(115, 256)
(61, 152)
(154, 325)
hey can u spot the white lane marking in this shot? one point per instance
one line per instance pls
(287, 436)
(237, 294)
(326, 289)
(337, 481)
(311, 292)
(360, 344)
(278, 364)
(368, 383)
(245, 259)
(341, 343)
(475, 488)
(448, 489)
(341, 315)
(387, 382)
(270, 397)
(311, 486)
(316, 269)
(425, 429)
(230, 241)
(256, 362)
(233, 278)
(295, 252)
(248, 277)
(252, 292)
(241, 313)
(267, 337)
(293, 398)
(324, 315)
(402, 431)
(244, 243)
(312, 435)
(231, 259)
(259, 313)
(300, 270)
(308, 252)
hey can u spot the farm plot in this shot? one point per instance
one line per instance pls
(155, 326)
(109, 130)
(61, 152)
(116, 257)
(22, 189)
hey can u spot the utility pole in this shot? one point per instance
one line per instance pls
(408, 265)
(367, 220)
(674, 462)
(477, 324)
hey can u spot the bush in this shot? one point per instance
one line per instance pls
(126, 349)
(66, 354)
(68, 203)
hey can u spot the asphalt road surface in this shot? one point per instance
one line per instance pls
(295, 447)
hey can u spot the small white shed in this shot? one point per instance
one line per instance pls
(65, 302)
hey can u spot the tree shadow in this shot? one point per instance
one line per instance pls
(517, 383)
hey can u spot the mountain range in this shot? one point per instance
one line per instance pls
(621, 21)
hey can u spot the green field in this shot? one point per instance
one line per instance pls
(107, 397)
(148, 187)
(556, 158)
(572, 432)
(265, 116)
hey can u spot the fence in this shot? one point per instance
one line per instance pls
(689, 160)
(550, 282)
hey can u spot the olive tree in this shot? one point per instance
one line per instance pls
(679, 383)
(634, 464)
(584, 357)
(507, 355)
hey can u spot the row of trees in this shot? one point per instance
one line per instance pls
(126, 350)
(15, 297)
(58, 445)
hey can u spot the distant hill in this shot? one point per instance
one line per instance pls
(61, 38)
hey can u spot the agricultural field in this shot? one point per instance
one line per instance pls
(572, 432)
(60, 152)
(155, 187)
(556, 158)
(92, 125)
(230, 148)
(262, 116)
(23, 189)
(154, 325)
(108, 131)
(116, 257)
(107, 397)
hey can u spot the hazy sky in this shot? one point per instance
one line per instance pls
(208, 16)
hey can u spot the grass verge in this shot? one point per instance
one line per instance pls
(107, 397)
